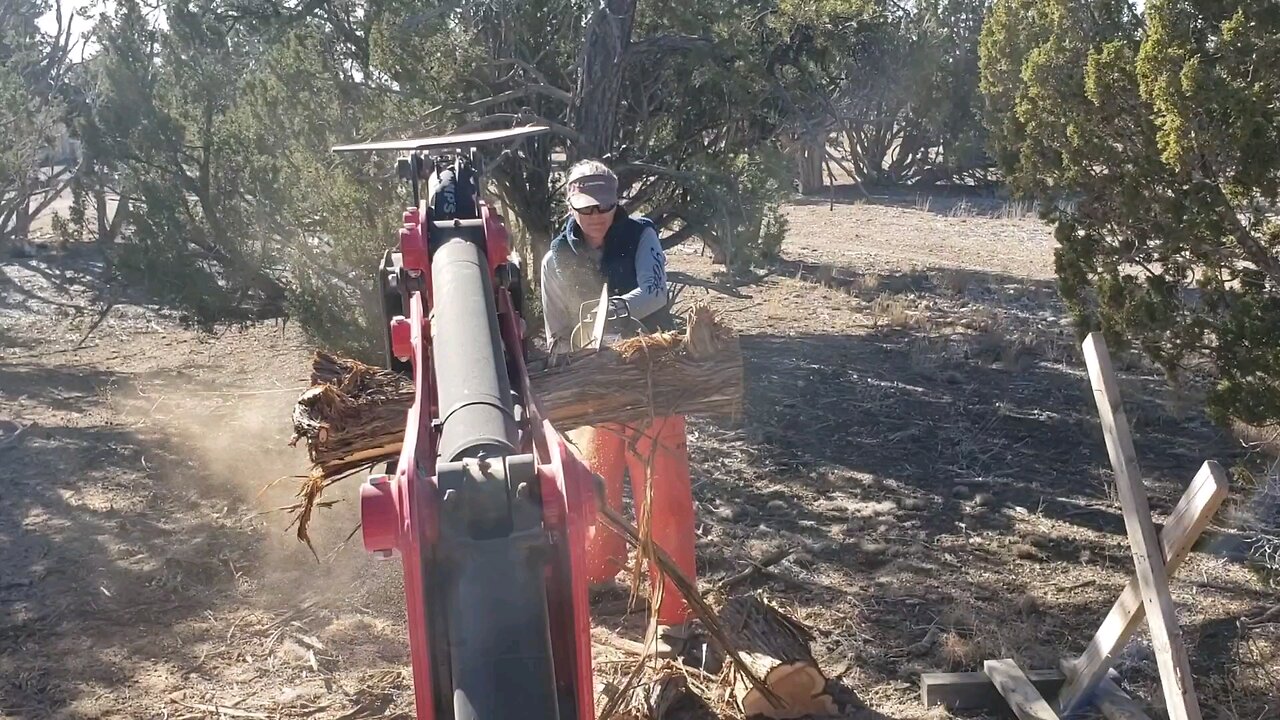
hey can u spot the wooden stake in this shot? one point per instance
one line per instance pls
(1166, 637)
(1188, 520)
(1023, 698)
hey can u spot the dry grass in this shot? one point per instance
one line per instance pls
(1017, 210)
(962, 209)
(961, 653)
(1265, 439)
(953, 281)
(895, 311)
(868, 283)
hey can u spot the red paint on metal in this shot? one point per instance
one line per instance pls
(401, 338)
(417, 520)
(413, 247)
(495, 237)
(379, 514)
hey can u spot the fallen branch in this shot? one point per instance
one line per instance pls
(697, 604)
(759, 566)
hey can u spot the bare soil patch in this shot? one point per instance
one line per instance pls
(918, 427)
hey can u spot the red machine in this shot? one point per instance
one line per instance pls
(486, 507)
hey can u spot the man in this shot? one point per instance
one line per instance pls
(601, 244)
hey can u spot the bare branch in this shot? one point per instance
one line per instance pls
(521, 119)
(665, 44)
(532, 89)
(687, 179)
(54, 192)
(537, 74)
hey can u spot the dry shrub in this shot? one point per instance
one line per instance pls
(954, 281)
(1258, 519)
(897, 312)
(962, 652)
(984, 320)
(993, 340)
(1258, 439)
(867, 283)
(1020, 351)
(927, 354)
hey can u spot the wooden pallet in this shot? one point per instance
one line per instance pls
(1085, 681)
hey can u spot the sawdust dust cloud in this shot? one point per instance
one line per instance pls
(234, 444)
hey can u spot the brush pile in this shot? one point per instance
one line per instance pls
(354, 415)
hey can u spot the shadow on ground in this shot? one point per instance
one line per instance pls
(956, 201)
(79, 565)
(904, 472)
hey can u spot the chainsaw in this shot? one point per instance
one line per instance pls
(486, 507)
(604, 322)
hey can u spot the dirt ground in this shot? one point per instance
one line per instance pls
(918, 428)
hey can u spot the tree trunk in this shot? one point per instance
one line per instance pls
(809, 165)
(109, 233)
(776, 648)
(22, 221)
(600, 64)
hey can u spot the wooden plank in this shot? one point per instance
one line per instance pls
(1188, 520)
(975, 691)
(1024, 700)
(1116, 704)
(1166, 636)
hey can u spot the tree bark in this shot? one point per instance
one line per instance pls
(776, 648)
(809, 157)
(600, 65)
(354, 414)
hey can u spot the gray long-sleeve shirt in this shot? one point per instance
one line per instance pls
(561, 304)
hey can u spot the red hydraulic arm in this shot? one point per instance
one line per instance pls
(487, 507)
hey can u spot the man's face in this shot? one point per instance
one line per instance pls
(594, 223)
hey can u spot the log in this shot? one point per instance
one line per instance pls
(353, 415)
(776, 648)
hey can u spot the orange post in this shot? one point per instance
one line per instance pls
(660, 453)
(603, 449)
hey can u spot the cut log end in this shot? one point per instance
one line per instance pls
(776, 649)
(802, 688)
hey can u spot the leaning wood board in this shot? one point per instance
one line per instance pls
(1153, 580)
(1188, 520)
(1024, 700)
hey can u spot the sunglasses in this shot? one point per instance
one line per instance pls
(595, 209)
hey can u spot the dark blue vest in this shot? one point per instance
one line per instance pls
(618, 260)
(617, 264)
